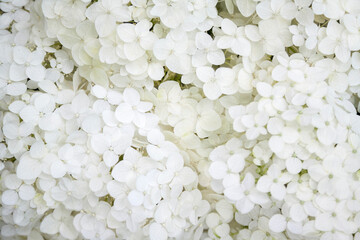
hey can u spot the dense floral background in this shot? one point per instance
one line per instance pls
(179, 119)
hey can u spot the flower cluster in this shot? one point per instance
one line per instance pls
(179, 119)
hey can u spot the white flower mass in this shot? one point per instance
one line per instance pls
(179, 119)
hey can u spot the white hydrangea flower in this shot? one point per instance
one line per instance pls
(171, 12)
(112, 143)
(106, 13)
(173, 50)
(269, 9)
(28, 64)
(137, 38)
(32, 163)
(335, 41)
(273, 182)
(207, 51)
(8, 85)
(132, 109)
(216, 82)
(70, 193)
(60, 221)
(332, 10)
(330, 177)
(234, 39)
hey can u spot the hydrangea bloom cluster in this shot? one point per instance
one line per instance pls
(180, 119)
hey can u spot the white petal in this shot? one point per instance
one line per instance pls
(48, 87)
(137, 67)
(264, 184)
(155, 137)
(218, 170)
(45, 103)
(299, 99)
(245, 205)
(110, 158)
(26, 192)
(126, 32)
(162, 213)
(179, 63)
(98, 91)
(355, 60)
(323, 222)
(295, 227)
(28, 169)
(9, 197)
(203, 40)
(225, 42)
(234, 193)
(326, 135)
(36, 73)
(165, 177)
(131, 96)
(10, 130)
(212, 220)
(16, 106)
(124, 113)
(37, 150)
(17, 72)
(121, 171)
(58, 169)
(186, 176)
(133, 51)
(263, 9)
(296, 75)
(241, 46)
(16, 89)
(236, 163)
(276, 144)
(156, 71)
(290, 135)
(246, 7)
(21, 54)
(278, 191)
(80, 103)
(135, 198)
(99, 143)
(99, 76)
(277, 223)
(210, 121)
(293, 165)
(216, 57)
(342, 53)
(11, 181)
(157, 232)
(228, 26)
(205, 74)
(91, 124)
(175, 162)
(162, 49)
(327, 46)
(264, 89)
(105, 24)
(224, 76)
(155, 152)
(225, 210)
(297, 213)
(49, 225)
(279, 73)
(114, 97)
(212, 90)
(95, 184)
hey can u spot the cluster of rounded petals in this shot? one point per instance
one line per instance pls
(179, 119)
